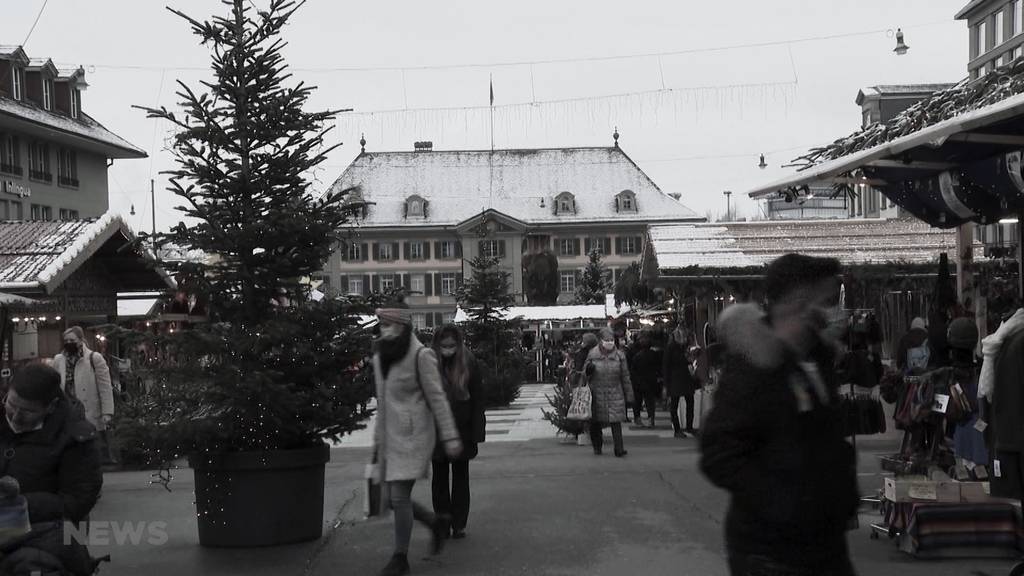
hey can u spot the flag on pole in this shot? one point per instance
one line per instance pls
(492, 90)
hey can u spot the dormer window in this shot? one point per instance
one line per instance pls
(565, 203)
(625, 201)
(18, 83)
(75, 102)
(415, 207)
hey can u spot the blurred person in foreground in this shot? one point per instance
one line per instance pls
(773, 439)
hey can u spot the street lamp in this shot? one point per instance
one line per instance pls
(728, 206)
(901, 46)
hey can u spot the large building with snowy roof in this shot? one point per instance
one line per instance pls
(53, 156)
(428, 212)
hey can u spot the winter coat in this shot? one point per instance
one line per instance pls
(93, 387)
(57, 466)
(469, 414)
(645, 368)
(610, 385)
(412, 411)
(773, 440)
(991, 346)
(914, 338)
(678, 379)
(1008, 395)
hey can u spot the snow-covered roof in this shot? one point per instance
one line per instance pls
(42, 255)
(567, 312)
(137, 307)
(521, 184)
(83, 127)
(753, 245)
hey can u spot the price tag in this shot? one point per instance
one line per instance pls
(941, 403)
(980, 425)
(923, 491)
(987, 488)
(997, 469)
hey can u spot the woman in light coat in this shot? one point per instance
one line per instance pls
(608, 375)
(85, 377)
(412, 411)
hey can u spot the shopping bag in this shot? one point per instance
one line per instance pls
(373, 498)
(580, 408)
(702, 405)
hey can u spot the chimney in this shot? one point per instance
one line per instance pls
(425, 146)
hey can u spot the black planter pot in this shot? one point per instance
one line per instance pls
(250, 499)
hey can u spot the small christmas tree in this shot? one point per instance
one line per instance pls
(560, 403)
(493, 340)
(594, 283)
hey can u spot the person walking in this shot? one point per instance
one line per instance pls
(413, 415)
(85, 379)
(644, 368)
(463, 384)
(611, 388)
(774, 438)
(679, 380)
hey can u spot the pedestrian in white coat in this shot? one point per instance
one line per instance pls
(85, 377)
(412, 412)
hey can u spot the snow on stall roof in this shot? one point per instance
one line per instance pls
(85, 126)
(460, 184)
(566, 312)
(136, 307)
(751, 245)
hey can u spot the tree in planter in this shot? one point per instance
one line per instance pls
(594, 283)
(492, 339)
(540, 278)
(272, 370)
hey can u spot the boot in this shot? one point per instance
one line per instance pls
(397, 566)
(652, 422)
(440, 528)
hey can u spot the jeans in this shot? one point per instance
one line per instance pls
(674, 409)
(597, 438)
(406, 510)
(451, 499)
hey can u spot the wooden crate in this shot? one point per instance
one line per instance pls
(920, 489)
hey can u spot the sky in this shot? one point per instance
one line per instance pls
(700, 91)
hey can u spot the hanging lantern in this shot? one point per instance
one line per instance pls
(762, 165)
(901, 46)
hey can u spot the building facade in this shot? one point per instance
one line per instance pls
(53, 156)
(428, 213)
(995, 34)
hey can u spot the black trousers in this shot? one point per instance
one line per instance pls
(450, 491)
(645, 397)
(597, 438)
(674, 409)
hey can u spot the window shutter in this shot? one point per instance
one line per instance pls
(458, 249)
(438, 319)
(607, 247)
(437, 284)
(343, 284)
(344, 251)
(618, 244)
(586, 246)
(405, 281)
(501, 248)
(366, 284)
(437, 250)
(639, 244)
(376, 283)
(426, 250)
(376, 251)
(395, 247)
(459, 278)
(430, 319)
(405, 250)
(364, 252)
(576, 246)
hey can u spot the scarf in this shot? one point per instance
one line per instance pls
(69, 374)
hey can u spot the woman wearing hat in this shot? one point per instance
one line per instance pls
(412, 416)
(608, 376)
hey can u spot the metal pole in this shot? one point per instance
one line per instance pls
(728, 206)
(152, 201)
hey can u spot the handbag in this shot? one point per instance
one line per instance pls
(580, 408)
(374, 495)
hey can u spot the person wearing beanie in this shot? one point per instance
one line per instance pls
(773, 438)
(413, 416)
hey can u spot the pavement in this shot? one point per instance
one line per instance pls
(542, 505)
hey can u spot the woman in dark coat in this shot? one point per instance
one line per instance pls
(679, 381)
(644, 367)
(462, 382)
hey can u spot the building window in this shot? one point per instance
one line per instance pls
(40, 212)
(39, 162)
(18, 83)
(1018, 52)
(625, 201)
(629, 245)
(566, 247)
(981, 32)
(385, 251)
(416, 251)
(415, 208)
(1018, 16)
(419, 321)
(565, 203)
(355, 252)
(447, 249)
(76, 102)
(10, 163)
(387, 282)
(66, 215)
(355, 285)
(16, 211)
(599, 245)
(998, 31)
(448, 284)
(48, 94)
(67, 167)
(490, 249)
(567, 282)
(417, 284)
(5, 210)
(448, 318)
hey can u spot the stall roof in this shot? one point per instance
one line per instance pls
(703, 248)
(553, 313)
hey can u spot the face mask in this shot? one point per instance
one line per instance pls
(608, 345)
(71, 348)
(390, 332)
(448, 352)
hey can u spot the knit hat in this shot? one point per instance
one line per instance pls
(589, 340)
(963, 334)
(395, 315)
(918, 324)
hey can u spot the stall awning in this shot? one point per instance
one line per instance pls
(558, 313)
(951, 158)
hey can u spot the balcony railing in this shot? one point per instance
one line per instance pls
(12, 169)
(67, 181)
(37, 175)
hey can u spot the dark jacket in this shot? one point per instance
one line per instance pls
(914, 338)
(1008, 395)
(644, 369)
(469, 414)
(58, 466)
(790, 473)
(676, 370)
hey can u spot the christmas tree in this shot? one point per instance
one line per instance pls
(492, 338)
(560, 403)
(272, 369)
(594, 283)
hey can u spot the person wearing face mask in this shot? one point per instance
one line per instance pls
(460, 375)
(610, 385)
(85, 378)
(413, 416)
(774, 437)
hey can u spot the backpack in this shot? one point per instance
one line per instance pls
(918, 358)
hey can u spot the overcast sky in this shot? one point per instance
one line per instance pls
(702, 137)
